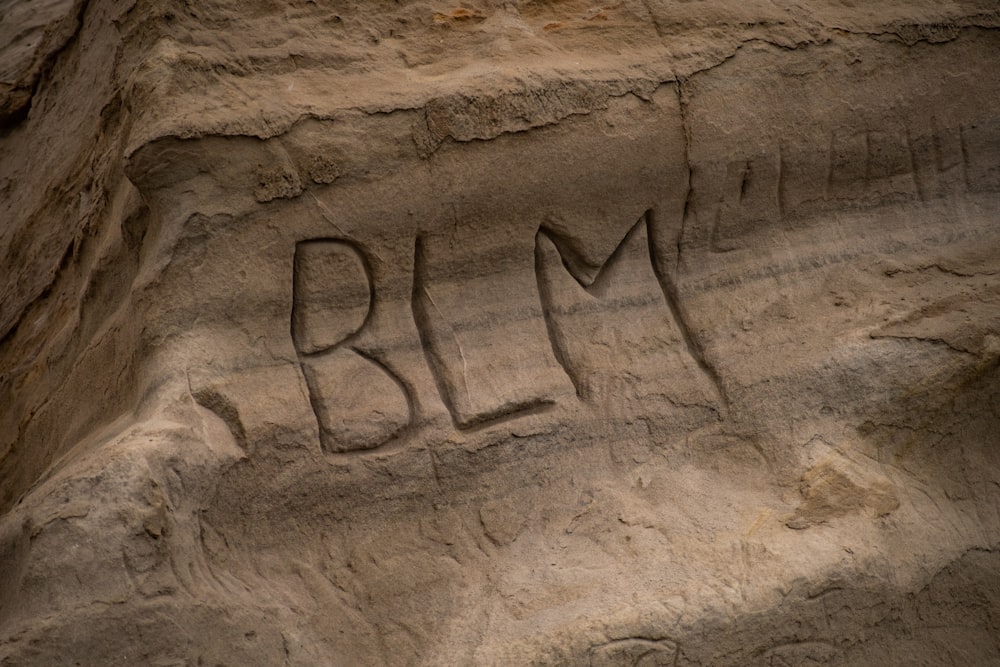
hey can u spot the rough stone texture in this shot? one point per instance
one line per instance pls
(541, 333)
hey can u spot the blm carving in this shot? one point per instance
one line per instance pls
(485, 325)
(609, 330)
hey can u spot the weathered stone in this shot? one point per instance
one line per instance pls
(643, 333)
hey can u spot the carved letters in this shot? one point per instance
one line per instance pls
(497, 348)
(856, 169)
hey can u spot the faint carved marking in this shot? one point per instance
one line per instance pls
(939, 154)
(780, 185)
(751, 194)
(964, 147)
(867, 156)
(918, 184)
(860, 168)
(848, 163)
(942, 167)
(887, 155)
(800, 654)
(980, 143)
(733, 191)
(635, 652)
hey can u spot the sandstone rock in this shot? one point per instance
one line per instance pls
(491, 333)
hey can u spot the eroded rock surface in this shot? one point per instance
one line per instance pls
(646, 333)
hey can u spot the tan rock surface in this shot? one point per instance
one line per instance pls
(551, 333)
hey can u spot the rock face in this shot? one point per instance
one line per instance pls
(549, 333)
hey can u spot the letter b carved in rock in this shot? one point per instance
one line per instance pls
(359, 404)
